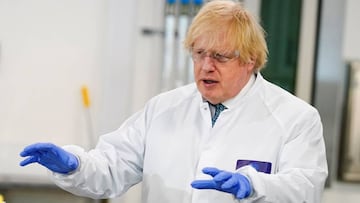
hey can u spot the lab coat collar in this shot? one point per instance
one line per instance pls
(231, 103)
(244, 93)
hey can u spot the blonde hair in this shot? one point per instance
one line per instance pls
(238, 28)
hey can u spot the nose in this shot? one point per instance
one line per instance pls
(208, 64)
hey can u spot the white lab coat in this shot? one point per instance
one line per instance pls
(167, 144)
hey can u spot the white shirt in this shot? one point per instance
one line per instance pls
(169, 142)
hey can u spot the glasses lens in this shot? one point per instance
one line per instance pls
(221, 58)
(199, 55)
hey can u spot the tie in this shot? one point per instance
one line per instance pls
(218, 109)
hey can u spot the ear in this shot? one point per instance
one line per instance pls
(251, 64)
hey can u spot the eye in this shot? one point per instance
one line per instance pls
(221, 57)
(199, 51)
(198, 54)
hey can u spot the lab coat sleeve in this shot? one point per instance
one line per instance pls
(112, 167)
(302, 169)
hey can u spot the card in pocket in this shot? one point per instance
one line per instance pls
(260, 166)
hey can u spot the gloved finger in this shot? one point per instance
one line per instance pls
(37, 147)
(211, 171)
(230, 183)
(34, 148)
(29, 160)
(222, 176)
(241, 194)
(245, 187)
(203, 184)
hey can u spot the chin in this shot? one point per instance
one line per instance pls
(209, 95)
(210, 99)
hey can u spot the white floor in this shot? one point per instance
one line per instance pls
(342, 192)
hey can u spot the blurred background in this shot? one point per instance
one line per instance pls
(72, 70)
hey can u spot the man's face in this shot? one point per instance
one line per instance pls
(219, 76)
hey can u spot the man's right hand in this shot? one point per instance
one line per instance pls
(51, 156)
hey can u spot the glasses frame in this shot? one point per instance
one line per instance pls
(199, 55)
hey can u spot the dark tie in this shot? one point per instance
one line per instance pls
(218, 109)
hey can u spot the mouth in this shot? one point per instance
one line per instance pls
(209, 82)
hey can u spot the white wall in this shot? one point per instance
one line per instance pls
(49, 49)
(146, 68)
(351, 48)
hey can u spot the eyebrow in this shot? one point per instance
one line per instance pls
(214, 50)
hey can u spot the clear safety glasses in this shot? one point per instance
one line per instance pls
(198, 55)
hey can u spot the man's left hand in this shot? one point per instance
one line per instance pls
(234, 183)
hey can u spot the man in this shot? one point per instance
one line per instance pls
(232, 136)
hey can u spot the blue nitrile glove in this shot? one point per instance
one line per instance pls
(225, 181)
(51, 156)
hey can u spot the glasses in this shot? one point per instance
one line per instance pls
(200, 54)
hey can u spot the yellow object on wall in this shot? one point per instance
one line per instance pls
(85, 96)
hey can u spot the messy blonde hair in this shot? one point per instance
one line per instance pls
(237, 26)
